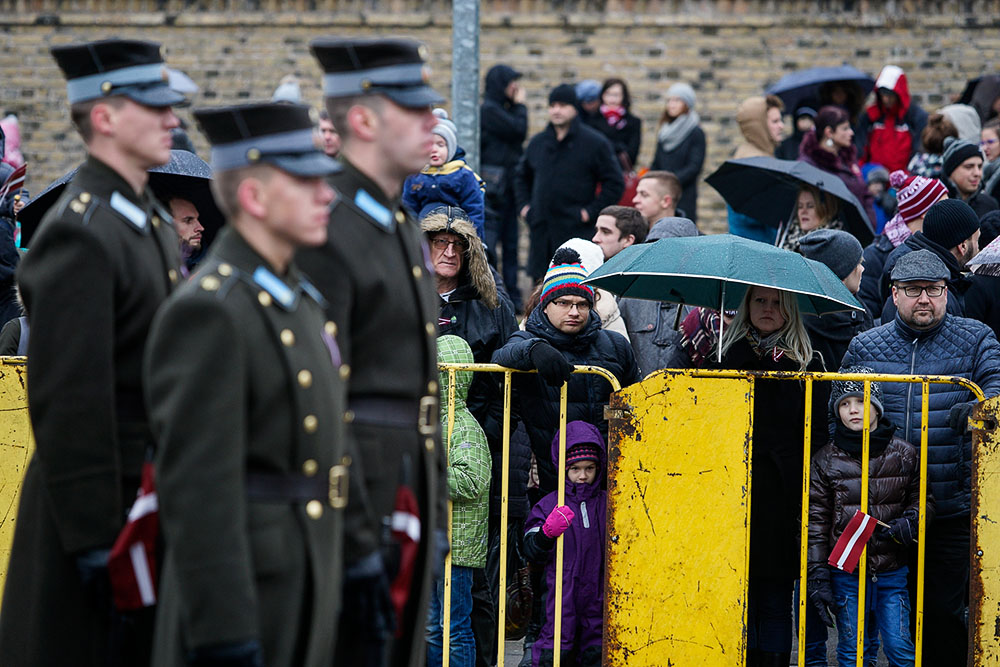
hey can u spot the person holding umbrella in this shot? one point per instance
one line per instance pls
(813, 210)
(768, 334)
(830, 147)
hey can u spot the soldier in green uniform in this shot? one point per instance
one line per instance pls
(247, 404)
(104, 257)
(374, 273)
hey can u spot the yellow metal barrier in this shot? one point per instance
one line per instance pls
(505, 481)
(16, 446)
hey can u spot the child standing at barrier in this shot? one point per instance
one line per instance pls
(893, 499)
(469, 490)
(582, 522)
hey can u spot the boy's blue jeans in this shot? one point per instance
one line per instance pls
(463, 645)
(887, 605)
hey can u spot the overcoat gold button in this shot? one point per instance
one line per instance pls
(305, 378)
(432, 387)
(349, 416)
(287, 337)
(210, 283)
(429, 444)
(330, 328)
(172, 274)
(156, 221)
(314, 509)
(264, 298)
(310, 423)
(345, 371)
(225, 269)
(85, 197)
(429, 328)
(400, 217)
(418, 272)
(310, 467)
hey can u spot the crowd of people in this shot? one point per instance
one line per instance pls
(281, 382)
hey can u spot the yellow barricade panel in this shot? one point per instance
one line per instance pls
(984, 608)
(678, 522)
(16, 446)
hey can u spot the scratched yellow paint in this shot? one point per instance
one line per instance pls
(678, 524)
(16, 445)
(984, 608)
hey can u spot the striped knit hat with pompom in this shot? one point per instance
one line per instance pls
(915, 194)
(565, 276)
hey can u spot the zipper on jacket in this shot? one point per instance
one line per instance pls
(909, 389)
(583, 512)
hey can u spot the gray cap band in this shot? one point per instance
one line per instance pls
(88, 87)
(236, 155)
(341, 84)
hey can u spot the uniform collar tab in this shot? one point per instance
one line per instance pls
(274, 286)
(125, 208)
(374, 209)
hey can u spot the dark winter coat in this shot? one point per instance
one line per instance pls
(788, 149)
(228, 399)
(980, 202)
(844, 165)
(558, 179)
(503, 124)
(870, 292)
(835, 495)
(831, 333)
(625, 137)
(982, 301)
(776, 493)
(958, 283)
(452, 184)
(538, 403)
(956, 346)
(583, 550)
(685, 162)
(102, 261)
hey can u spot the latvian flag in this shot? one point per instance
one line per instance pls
(847, 552)
(132, 565)
(14, 182)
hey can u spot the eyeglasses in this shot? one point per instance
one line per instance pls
(567, 305)
(913, 291)
(444, 244)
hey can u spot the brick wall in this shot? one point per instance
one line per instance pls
(727, 49)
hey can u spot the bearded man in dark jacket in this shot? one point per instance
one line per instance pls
(563, 331)
(503, 120)
(558, 177)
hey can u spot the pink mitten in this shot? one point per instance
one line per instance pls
(558, 521)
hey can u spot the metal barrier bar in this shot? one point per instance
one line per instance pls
(859, 656)
(505, 501)
(804, 531)
(918, 641)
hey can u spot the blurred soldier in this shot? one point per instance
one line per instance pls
(375, 274)
(247, 404)
(103, 259)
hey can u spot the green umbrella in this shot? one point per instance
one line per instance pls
(715, 272)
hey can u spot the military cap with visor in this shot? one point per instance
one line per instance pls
(278, 134)
(395, 68)
(117, 67)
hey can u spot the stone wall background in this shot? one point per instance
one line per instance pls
(237, 50)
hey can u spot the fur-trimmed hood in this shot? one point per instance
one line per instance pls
(475, 269)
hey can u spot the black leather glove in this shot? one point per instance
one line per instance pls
(441, 549)
(902, 530)
(551, 364)
(821, 598)
(92, 566)
(234, 654)
(367, 605)
(958, 416)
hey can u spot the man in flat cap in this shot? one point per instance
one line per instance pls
(374, 273)
(103, 259)
(925, 339)
(247, 404)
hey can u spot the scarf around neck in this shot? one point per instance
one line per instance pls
(766, 344)
(673, 133)
(850, 441)
(614, 115)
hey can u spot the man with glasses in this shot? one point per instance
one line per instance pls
(563, 331)
(925, 339)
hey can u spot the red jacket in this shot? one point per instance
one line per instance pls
(891, 137)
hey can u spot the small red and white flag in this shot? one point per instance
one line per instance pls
(14, 182)
(132, 565)
(847, 551)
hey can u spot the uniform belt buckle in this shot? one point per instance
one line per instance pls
(427, 416)
(339, 484)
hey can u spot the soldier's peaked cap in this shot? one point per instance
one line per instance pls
(116, 67)
(279, 134)
(395, 68)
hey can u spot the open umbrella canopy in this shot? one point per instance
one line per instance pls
(766, 189)
(186, 176)
(715, 272)
(805, 84)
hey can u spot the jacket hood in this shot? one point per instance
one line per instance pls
(919, 241)
(497, 80)
(454, 350)
(752, 117)
(475, 268)
(893, 78)
(578, 432)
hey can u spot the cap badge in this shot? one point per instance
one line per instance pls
(106, 87)
(253, 154)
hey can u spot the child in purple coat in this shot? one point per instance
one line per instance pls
(582, 521)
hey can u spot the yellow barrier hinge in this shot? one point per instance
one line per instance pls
(616, 413)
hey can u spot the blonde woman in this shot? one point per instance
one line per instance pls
(767, 334)
(813, 210)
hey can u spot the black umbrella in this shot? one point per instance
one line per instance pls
(186, 176)
(804, 84)
(766, 189)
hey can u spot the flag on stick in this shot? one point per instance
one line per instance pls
(847, 551)
(14, 182)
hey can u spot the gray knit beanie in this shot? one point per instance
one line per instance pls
(446, 129)
(841, 389)
(957, 151)
(683, 92)
(840, 251)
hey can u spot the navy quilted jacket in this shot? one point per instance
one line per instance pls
(956, 346)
